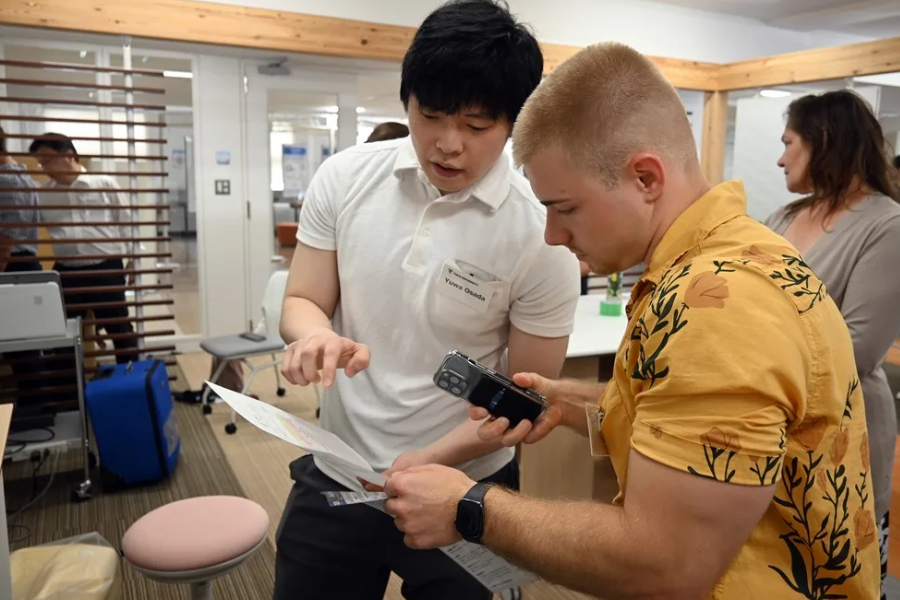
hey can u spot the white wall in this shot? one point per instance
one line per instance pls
(651, 28)
(217, 119)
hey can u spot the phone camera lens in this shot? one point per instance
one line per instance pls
(443, 384)
(455, 390)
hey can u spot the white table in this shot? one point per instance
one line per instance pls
(595, 335)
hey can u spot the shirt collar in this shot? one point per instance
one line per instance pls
(492, 189)
(719, 205)
(81, 173)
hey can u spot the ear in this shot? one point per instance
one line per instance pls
(648, 172)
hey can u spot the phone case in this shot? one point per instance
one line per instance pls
(480, 385)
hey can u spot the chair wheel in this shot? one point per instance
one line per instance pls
(230, 428)
(207, 409)
(281, 392)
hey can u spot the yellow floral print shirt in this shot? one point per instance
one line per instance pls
(738, 366)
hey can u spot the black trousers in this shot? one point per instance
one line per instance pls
(76, 281)
(348, 552)
(22, 267)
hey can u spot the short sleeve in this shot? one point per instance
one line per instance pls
(318, 215)
(545, 296)
(721, 374)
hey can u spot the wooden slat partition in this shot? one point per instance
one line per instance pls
(113, 322)
(153, 124)
(58, 102)
(99, 257)
(92, 207)
(57, 66)
(111, 272)
(17, 136)
(102, 156)
(75, 85)
(81, 224)
(110, 173)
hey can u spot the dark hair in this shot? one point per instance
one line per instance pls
(57, 142)
(897, 162)
(472, 53)
(847, 143)
(388, 131)
(2, 141)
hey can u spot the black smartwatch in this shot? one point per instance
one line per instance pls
(470, 513)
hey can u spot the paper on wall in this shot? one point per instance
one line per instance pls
(492, 571)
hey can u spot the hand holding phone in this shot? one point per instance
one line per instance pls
(481, 386)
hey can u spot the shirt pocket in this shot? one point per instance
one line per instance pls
(465, 296)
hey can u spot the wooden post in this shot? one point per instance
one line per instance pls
(715, 125)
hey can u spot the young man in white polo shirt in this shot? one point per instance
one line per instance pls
(391, 236)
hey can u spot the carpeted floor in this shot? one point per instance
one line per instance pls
(202, 470)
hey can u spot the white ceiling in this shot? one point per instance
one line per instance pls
(869, 18)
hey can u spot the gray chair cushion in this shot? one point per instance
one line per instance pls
(234, 346)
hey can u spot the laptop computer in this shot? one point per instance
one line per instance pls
(31, 305)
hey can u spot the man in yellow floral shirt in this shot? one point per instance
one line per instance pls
(734, 420)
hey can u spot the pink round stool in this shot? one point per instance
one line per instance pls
(196, 540)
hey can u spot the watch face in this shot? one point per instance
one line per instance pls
(470, 520)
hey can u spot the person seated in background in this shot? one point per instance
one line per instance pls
(735, 420)
(58, 158)
(391, 236)
(19, 241)
(847, 228)
(388, 131)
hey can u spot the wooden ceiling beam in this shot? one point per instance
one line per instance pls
(228, 25)
(837, 62)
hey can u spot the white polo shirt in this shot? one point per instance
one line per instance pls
(420, 275)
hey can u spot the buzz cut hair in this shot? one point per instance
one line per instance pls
(601, 107)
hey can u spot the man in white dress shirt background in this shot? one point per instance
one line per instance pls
(88, 194)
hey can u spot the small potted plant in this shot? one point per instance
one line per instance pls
(611, 306)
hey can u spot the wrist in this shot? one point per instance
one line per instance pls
(494, 500)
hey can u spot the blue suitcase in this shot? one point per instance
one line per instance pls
(131, 411)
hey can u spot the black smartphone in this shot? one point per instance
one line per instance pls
(470, 380)
(253, 336)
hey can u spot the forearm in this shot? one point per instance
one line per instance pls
(299, 317)
(586, 546)
(576, 394)
(460, 445)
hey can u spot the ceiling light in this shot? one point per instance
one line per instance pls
(360, 110)
(178, 74)
(774, 93)
(83, 53)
